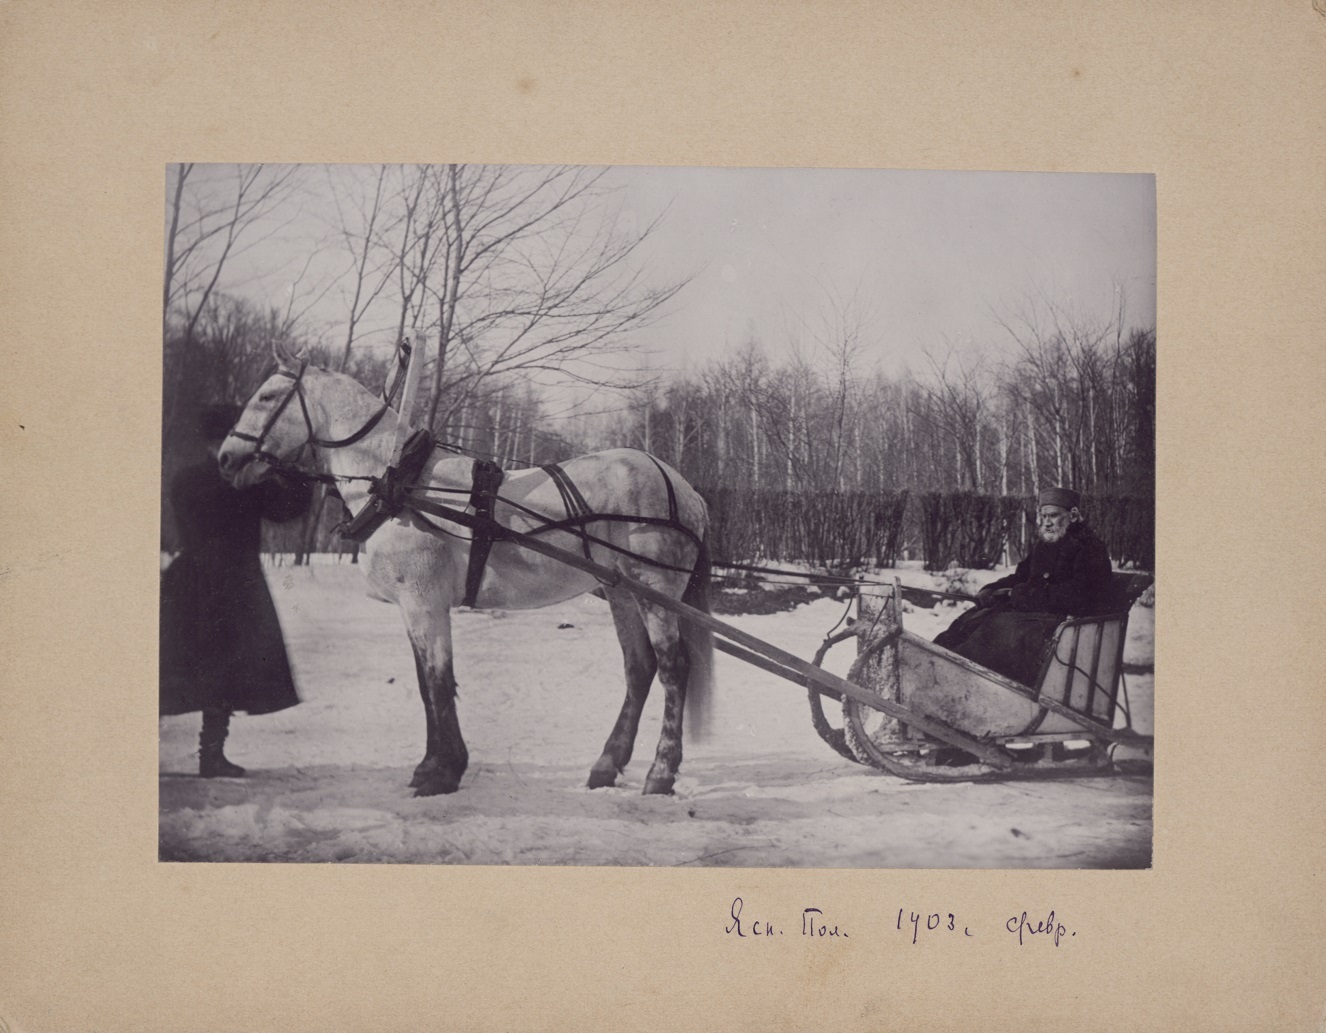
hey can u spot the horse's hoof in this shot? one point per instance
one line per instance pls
(602, 776)
(659, 786)
(437, 785)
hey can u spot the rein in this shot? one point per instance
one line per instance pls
(297, 391)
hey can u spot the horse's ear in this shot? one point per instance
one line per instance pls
(288, 358)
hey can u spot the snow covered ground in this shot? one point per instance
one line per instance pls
(328, 779)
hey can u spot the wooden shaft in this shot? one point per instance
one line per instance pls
(412, 374)
(781, 657)
(755, 660)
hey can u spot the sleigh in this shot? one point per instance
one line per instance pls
(1073, 720)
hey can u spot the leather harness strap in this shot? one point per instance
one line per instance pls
(577, 509)
(387, 495)
(486, 479)
(392, 492)
(673, 514)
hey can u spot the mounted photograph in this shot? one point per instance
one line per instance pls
(657, 516)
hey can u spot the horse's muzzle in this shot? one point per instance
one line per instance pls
(232, 464)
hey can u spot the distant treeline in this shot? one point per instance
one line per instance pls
(847, 530)
(835, 530)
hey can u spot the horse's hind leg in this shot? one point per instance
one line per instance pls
(445, 755)
(638, 656)
(673, 670)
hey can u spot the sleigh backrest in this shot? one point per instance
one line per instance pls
(1084, 661)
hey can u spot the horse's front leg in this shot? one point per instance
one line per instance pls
(445, 755)
(430, 736)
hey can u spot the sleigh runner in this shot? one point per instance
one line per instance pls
(637, 535)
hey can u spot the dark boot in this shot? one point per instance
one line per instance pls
(212, 762)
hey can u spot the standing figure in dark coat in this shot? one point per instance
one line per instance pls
(221, 643)
(1066, 573)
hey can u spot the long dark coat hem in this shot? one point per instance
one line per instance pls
(1008, 642)
(221, 644)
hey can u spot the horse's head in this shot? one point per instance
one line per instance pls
(298, 410)
(274, 430)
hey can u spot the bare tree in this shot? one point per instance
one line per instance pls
(216, 214)
(744, 380)
(507, 269)
(840, 326)
(358, 218)
(954, 400)
(1065, 377)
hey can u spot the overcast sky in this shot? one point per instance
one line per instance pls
(940, 257)
(935, 259)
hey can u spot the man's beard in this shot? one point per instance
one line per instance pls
(1051, 535)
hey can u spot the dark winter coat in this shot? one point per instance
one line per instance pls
(221, 643)
(1070, 577)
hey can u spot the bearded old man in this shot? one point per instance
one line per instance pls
(1066, 573)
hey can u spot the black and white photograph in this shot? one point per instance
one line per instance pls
(662, 516)
(658, 516)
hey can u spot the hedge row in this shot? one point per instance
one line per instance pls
(968, 530)
(844, 530)
(1127, 524)
(850, 530)
(859, 529)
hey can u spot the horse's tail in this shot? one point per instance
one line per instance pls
(699, 644)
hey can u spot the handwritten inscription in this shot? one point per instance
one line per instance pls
(935, 921)
(1028, 928)
(813, 925)
(915, 927)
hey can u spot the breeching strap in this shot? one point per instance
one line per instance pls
(577, 509)
(673, 515)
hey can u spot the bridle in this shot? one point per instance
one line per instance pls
(311, 440)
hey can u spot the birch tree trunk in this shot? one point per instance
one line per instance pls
(755, 446)
(1031, 440)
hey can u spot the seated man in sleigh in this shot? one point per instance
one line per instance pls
(1066, 573)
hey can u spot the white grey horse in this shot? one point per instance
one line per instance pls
(329, 425)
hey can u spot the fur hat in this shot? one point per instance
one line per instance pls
(1065, 498)
(215, 421)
